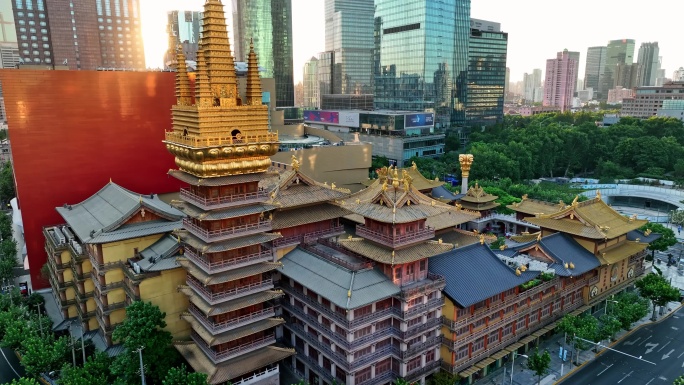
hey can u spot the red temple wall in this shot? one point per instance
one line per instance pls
(71, 131)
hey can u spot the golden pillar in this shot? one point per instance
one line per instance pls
(466, 160)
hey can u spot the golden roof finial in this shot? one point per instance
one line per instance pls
(502, 247)
(575, 201)
(598, 194)
(539, 237)
(523, 268)
(517, 272)
(413, 165)
(572, 265)
(466, 161)
(439, 241)
(295, 164)
(332, 185)
(524, 197)
(482, 239)
(395, 178)
(253, 88)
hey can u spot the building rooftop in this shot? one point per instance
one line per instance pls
(345, 288)
(387, 256)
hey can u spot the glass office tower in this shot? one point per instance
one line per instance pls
(593, 73)
(268, 23)
(349, 34)
(421, 57)
(620, 53)
(486, 75)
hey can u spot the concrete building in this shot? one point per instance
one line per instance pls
(310, 84)
(678, 75)
(648, 100)
(82, 35)
(618, 53)
(347, 102)
(487, 51)
(649, 64)
(672, 109)
(184, 28)
(594, 69)
(559, 84)
(349, 37)
(267, 24)
(397, 135)
(112, 249)
(9, 55)
(532, 82)
(618, 94)
(586, 95)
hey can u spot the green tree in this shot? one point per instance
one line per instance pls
(180, 376)
(143, 327)
(95, 371)
(679, 380)
(24, 381)
(42, 355)
(539, 363)
(609, 326)
(402, 381)
(5, 226)
(658, 290)
(443, 378)
(500, 241)
(585, 327)
(629, 308)
(666, 239)
(7, 190)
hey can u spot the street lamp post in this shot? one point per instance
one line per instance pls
(142, 367)
(513, 364)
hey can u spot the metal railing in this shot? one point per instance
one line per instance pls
(353, 266)
(224, 201)
(219, 327)
(419, 372)
(237, 292)
(104, 288)
(221, 266)
(256, 376)
(434, 282)
(106, 309)
(315, 235)
(227, 233)
(198, 142)
(395, 240)
(233, 352)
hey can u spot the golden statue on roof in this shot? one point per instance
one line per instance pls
(407, 179)
(575, 201)
(295, 163)
(413, 165)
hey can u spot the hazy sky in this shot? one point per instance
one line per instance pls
(532, 37)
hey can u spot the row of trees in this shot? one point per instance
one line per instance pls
(30, 334)
(8, 249)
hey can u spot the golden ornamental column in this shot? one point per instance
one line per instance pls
(466, 160)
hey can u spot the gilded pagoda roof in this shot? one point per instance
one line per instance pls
(397, 200)
(226, 307)
(535, 206)
(309, 214)
(419, 181)
(297, 189)
(232, 212)
(592, 219)
(231, 335)
(622, 250)
(222, 180)
(524, 238)
(479, 206)
(384, 255)
(225, 371)
(230, 275)
(449, 219)
(231, 244)
(461, 238)
(107, 210)
(477, 194)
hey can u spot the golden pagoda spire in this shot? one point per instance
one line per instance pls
(203, 96)
(183, 93)
(253, 92)
(220, 62)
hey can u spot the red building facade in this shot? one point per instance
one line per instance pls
(73, 131)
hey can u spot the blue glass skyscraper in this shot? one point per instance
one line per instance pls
(421, 57)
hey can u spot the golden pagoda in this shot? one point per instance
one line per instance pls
(222, 146)
(477, 199)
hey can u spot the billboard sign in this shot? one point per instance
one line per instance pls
(322, 116)
(419, 120)
(350, 119)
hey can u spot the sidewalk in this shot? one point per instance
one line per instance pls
(524, 376)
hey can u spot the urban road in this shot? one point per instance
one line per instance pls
(661, 343)
(10, 368)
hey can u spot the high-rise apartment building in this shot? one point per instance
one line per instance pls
(508, 80)
(487, 48)
(9, 51)
(310, 82)
(618, 52)
(184, 26)
(559, 84)
(421, 57)
(594, 69)
(531, 82)
(648, 100)
(267, 24)
(678, 75)
(649, 64)
(349, 35)
(80, 34)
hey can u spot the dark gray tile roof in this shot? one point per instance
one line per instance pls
(232, 212)
(440, 192)
(230, 244)
(474, 273)
(564, 249)
(136, 230)
(334, 282)
(108, 208)
(160, 255)
(638, 234)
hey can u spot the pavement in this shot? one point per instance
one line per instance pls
(560, 368)
(10, 368)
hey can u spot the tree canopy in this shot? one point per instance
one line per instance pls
(657, 289)
(665, 241)
(539, 363)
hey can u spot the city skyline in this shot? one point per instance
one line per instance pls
(308, 16)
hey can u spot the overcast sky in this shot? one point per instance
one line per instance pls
(537, 29)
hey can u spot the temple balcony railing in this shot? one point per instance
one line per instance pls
(229, 264)
(53, 244)
(214, 141)
(395, 240)
(83, 297)
(78, 251)
(57, 266)
(130, 290)
(104, 288)
(257, 377)
(225, 201)
(220, 327)
(415, 349)
(353, 266)
(383, 378)
(60, 286)
(426, 286)
(414, 375)
(107, 309)
(315, 235)
(84, 314)
(78, 277)
(103, 266)
(222, 296)
(313, 366)
(218, 357)
(227, 233)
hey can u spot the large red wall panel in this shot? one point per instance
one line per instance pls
(71, 131)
